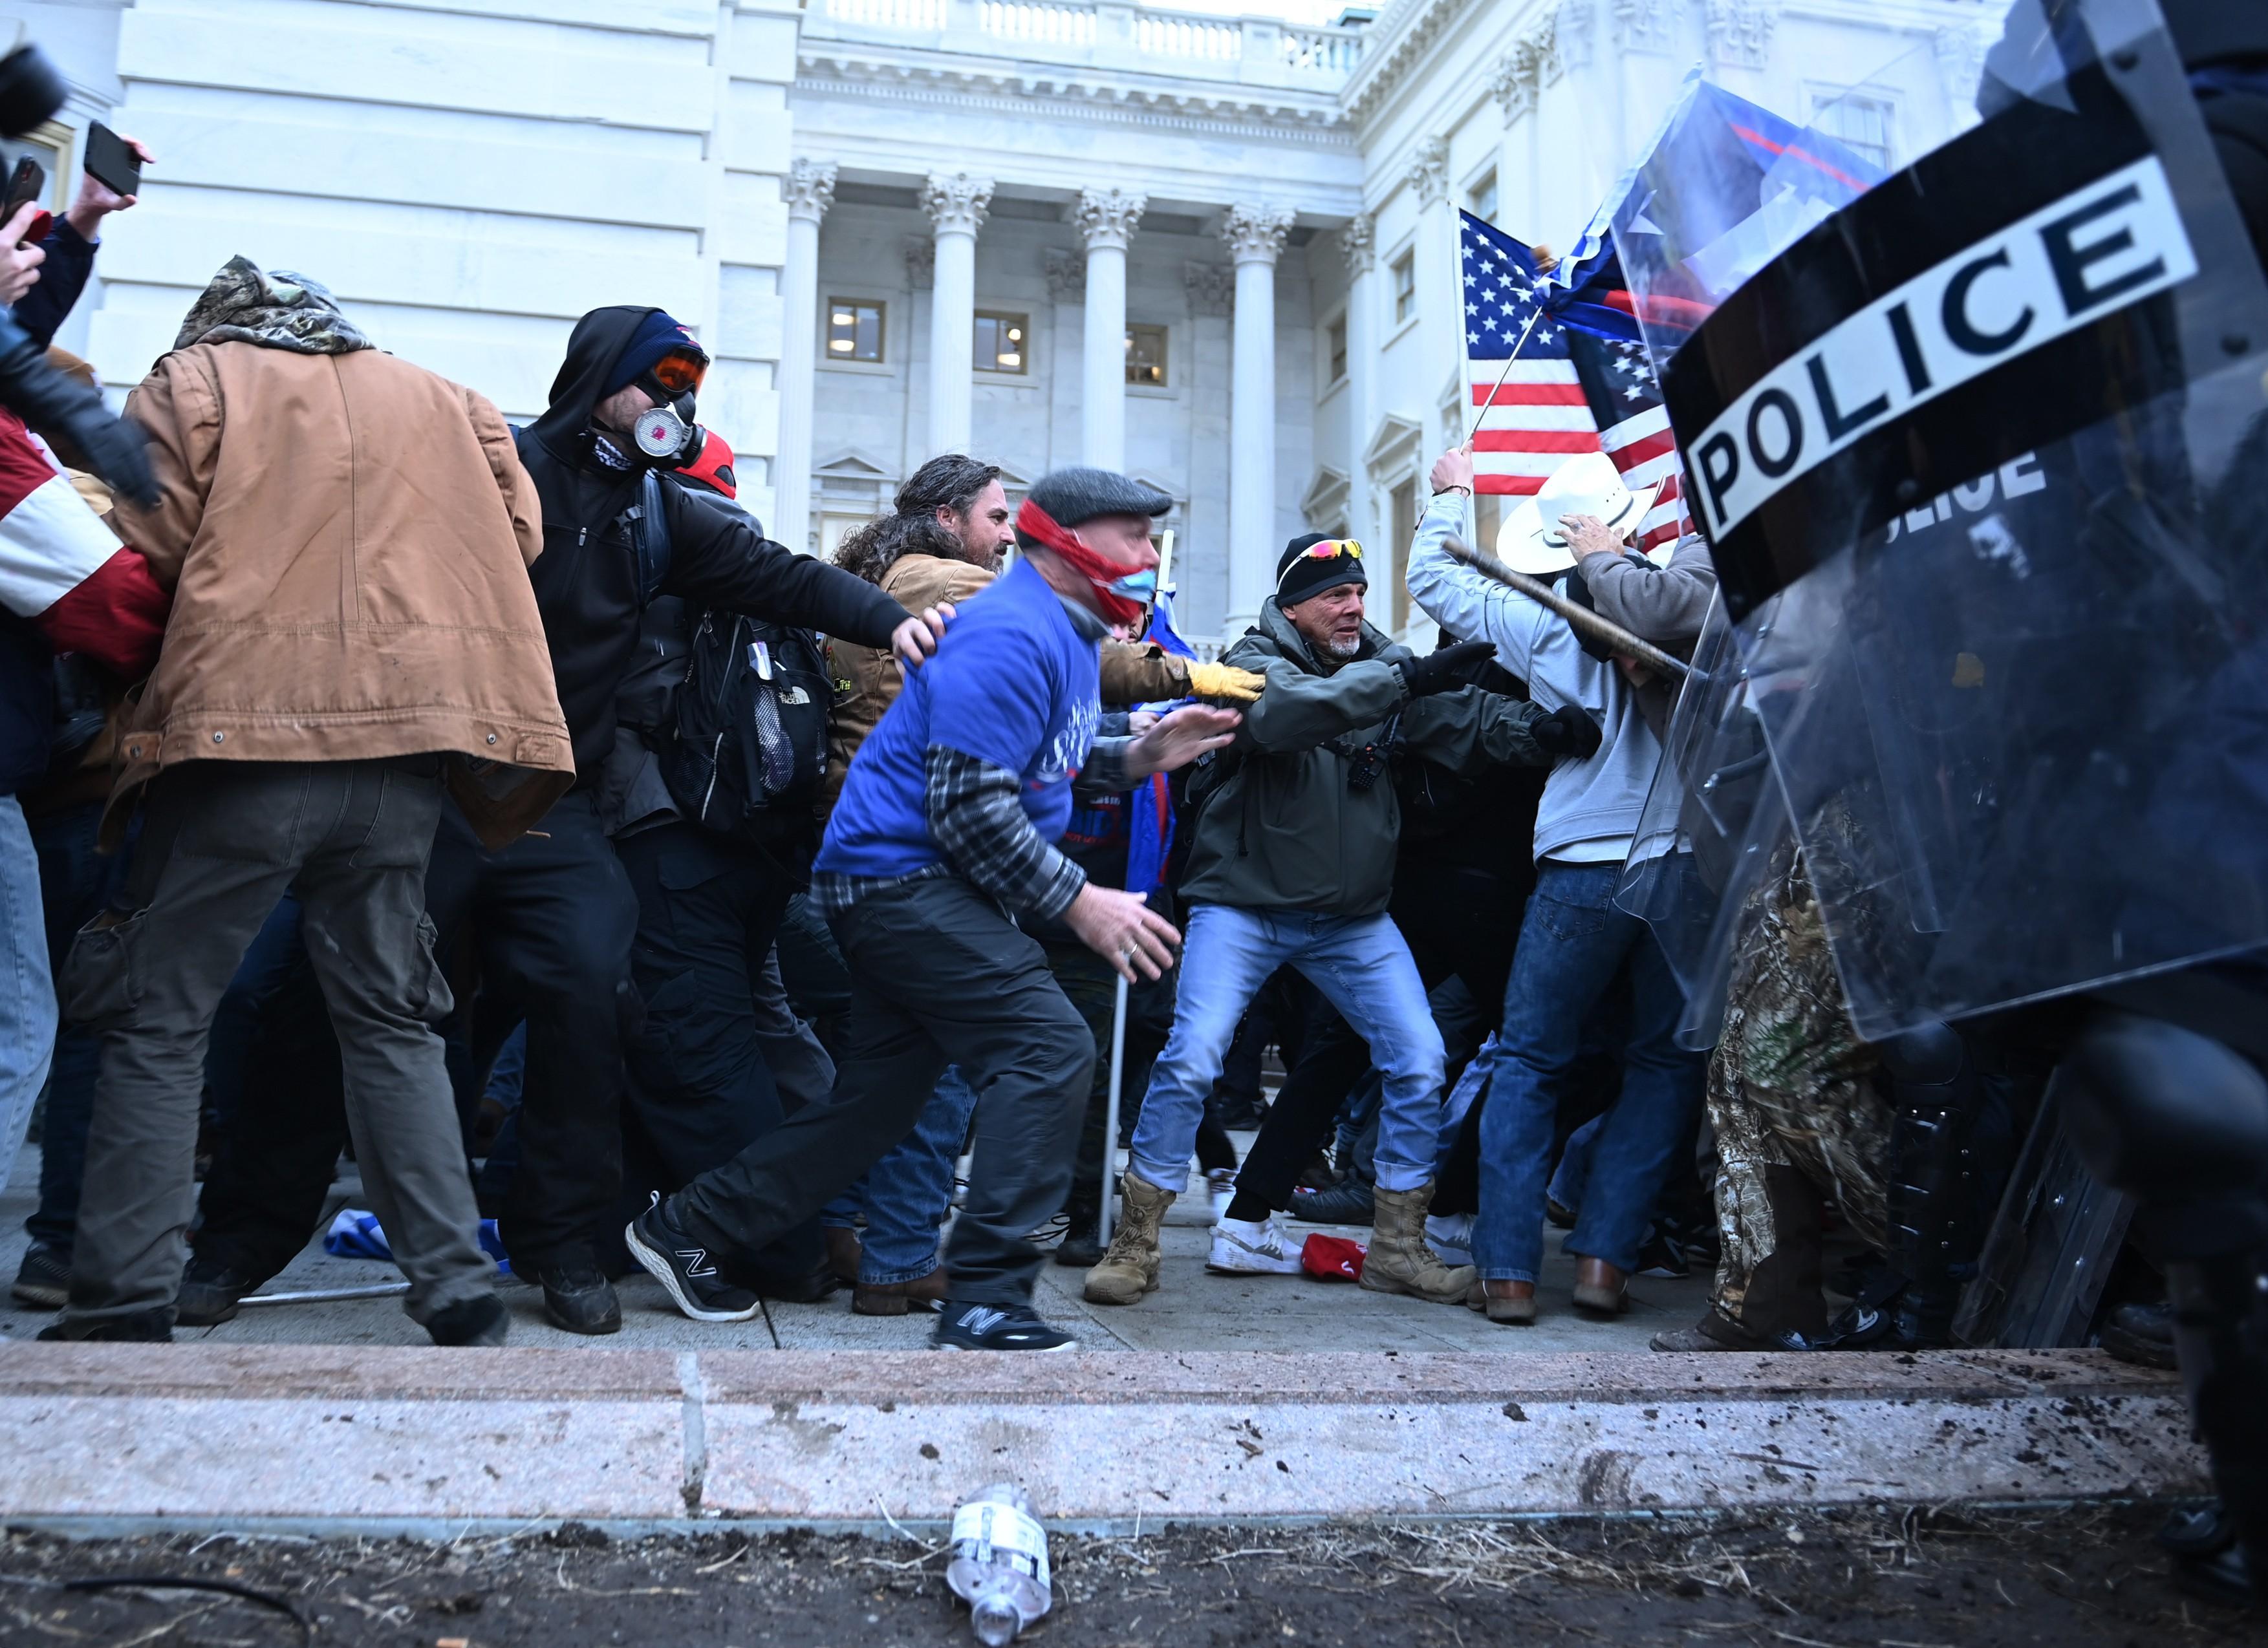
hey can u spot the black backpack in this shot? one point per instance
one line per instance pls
(749, 749)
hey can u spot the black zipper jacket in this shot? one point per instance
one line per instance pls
(586, 583)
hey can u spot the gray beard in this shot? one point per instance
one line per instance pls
(1343, 649)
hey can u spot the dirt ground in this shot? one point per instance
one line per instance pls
(1859, 1579)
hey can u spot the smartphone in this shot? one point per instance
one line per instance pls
(27, 182)
(111, 161)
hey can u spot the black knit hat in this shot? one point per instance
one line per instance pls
(1081, 494)
(1299, 575)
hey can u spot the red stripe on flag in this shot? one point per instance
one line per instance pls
(1646, 451)
(1528, 394)
(1534, 441)
(116, 615)
(22, 467)
(1516, 486)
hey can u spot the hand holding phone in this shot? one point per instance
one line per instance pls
(115, 162)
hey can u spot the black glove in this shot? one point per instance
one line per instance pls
(1444, 669)
(69, 411)
(1566, 732)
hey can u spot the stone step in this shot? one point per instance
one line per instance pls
(307, 1437)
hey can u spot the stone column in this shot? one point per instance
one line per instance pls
(956, 205)
(1439, 293)
(1106, 219)
(1358, 244)
(1255, 239)
(809, 190)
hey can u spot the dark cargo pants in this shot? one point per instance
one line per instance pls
(221, 842)
(940, 976)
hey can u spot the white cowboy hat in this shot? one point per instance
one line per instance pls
(1531, 539)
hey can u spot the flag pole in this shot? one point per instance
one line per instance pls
(1482, 410)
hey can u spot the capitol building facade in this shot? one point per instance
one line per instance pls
(1216, 251)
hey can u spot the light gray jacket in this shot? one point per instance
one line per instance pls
(1583, 800)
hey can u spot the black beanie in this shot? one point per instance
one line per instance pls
(1299, 575)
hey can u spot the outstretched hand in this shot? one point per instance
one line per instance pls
(1180, 738)
(916, 638)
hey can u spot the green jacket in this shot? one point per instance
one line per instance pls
(1277, 826)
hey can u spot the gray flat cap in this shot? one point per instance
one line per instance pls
(1081, 494)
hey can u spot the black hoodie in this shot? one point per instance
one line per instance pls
(586, 579)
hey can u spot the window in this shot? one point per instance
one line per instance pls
(1480, 200)
(1861, 124)
(854, 329)
(1145, 355)
(1405, 528)
(1002, 341)
(1335, 344)
(1405, 287)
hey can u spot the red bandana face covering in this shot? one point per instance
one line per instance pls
(1037, 524)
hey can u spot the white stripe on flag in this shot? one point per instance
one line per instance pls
(49, 544)
(1652, 470)
(1643, 426)
(1522, 372)
(1516, 463)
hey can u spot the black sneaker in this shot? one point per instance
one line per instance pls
(1081, 1246)
(150, 1327)
(578, 1296)
(1349, 1201)
(2139, 1334)
(210, 1293)
(481, 1320)
(983, 1327)
(1660, 1256)
(686, 1268)
(44, 1277)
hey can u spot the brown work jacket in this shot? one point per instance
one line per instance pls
(866, 680)
(347, 540)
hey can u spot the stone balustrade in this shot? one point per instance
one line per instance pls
(1106, 34)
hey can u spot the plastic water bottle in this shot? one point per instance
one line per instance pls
(999, 1563)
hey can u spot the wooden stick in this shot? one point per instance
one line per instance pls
(1582, 618)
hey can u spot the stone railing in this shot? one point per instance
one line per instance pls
(1108, 33)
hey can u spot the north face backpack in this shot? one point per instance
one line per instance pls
(748, 746)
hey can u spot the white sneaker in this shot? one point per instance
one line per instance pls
(1244, 1248)
(1450, 1235)
(1220, 1187)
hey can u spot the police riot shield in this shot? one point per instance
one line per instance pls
(1975, 457)
(1707, 833)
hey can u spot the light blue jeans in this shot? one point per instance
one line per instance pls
(27, 994)
(1363, 967)
(908, 1194)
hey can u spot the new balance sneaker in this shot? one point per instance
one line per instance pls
(983, 1327)
(44, 1277)
(686, 1268)
(1250, 1247)
(1349, 1201)
(1660, 1255)
(1451, 1236)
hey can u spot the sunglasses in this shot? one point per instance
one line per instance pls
(681, 370)
(1330, 550)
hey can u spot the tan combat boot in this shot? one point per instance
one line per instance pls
(1129, 1270)
(1399, 1260)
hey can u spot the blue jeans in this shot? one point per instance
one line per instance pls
(908, 1194)
(1361, 965)
(27, 991)
(1572, 944)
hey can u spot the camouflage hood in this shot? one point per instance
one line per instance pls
(280, 311)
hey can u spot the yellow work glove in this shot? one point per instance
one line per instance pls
(1225, 681)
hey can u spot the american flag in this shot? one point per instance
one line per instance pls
(1568, 392)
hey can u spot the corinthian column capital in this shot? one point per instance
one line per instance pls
(956, 203)
(1255, 233)
(809, 189)
(1106, 217)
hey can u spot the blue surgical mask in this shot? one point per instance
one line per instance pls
(1138, 586)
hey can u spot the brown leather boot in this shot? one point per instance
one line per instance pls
(895, 1299)
(1600, 1287)
(1511, 1303)
(842, 1251)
